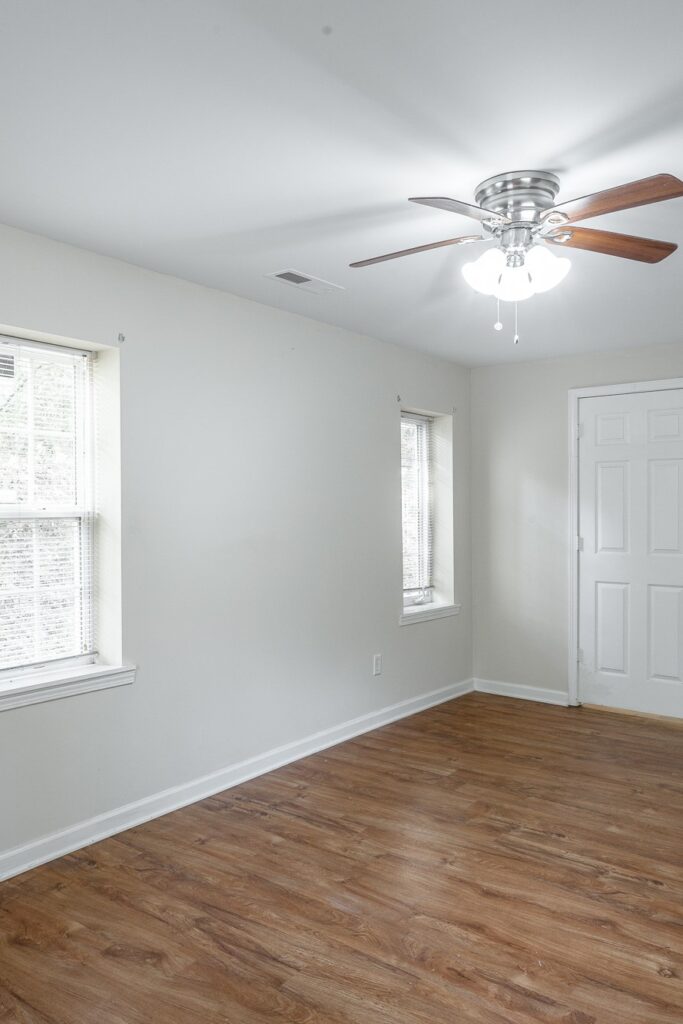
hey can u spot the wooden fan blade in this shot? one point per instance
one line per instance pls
(637, 193)
(456, 206)
(630, 247)
(463, 240)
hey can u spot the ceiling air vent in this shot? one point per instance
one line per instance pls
(304, 282)
(291, 278)
(6, 364)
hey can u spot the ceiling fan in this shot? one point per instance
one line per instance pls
(516, 211)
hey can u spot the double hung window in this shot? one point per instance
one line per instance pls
(417, 508)
(47, 506)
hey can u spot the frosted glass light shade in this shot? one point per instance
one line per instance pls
(514, 285)
(490, 274)
(483, 274)
(546, 270)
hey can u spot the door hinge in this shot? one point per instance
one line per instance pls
(579, 431)
(579, 543)
(579, 656)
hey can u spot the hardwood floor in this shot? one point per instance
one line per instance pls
(490, 861)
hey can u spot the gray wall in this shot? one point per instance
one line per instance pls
(261, 535)
(520, 506)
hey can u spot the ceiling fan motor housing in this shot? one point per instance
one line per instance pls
(521, 196)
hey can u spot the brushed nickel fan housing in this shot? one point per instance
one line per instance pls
(519, 196)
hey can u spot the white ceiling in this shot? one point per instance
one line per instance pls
(221, 140)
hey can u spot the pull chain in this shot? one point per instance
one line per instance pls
(498, 325)
(516, 337)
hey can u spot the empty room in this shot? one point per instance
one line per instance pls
(341, 512)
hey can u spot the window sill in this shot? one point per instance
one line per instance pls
(53, 684)
(423, 612)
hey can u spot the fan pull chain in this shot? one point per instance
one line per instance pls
(516, 337)
(498, 325)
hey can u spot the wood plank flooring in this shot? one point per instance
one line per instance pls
(490, 861)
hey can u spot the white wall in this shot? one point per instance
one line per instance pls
(261, 535)
(520, 506)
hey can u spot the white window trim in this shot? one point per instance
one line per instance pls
(423, 612)
(34, 684)
(20, 687)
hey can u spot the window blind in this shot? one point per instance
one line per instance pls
(417, 507)
(46, 504)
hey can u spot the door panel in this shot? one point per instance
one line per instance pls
(664, 481)
(665, 424)
(611, 627)
(611, 429)
(611, 506)
(631, 551)
(665, 629)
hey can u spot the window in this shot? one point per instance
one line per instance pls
(427, 516)
(46, 505)
(417, 508)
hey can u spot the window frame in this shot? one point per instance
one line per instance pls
(82, 511)
(425, 594)
(437, 600)
(53, 678)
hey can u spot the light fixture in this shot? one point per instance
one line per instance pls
(483, 275)
(514, 285)
(517, 211)
(545, 269)
(516, 273)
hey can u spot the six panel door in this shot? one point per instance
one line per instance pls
(631, 551)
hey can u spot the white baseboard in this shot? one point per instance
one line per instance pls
(46, 848)
(521, 692)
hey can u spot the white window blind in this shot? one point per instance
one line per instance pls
(417, 507)
(46, 505)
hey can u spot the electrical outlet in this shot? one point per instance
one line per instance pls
(377, 665)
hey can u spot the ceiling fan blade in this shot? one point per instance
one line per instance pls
(456, 206)
(630, 247)
(463, 240)
(636, 193)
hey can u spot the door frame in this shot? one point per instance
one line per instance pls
(575, 396)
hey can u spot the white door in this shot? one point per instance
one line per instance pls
(631, 551)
